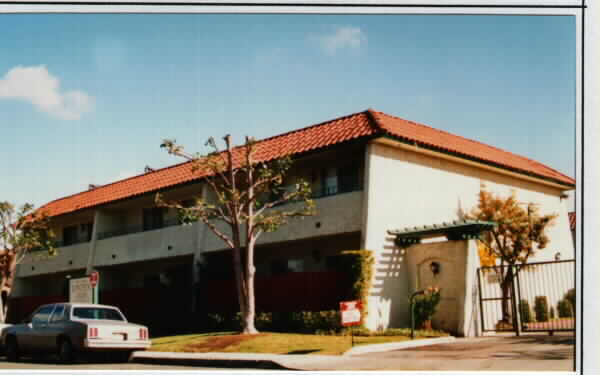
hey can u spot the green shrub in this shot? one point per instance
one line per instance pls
(541, 308)
(525, 311)
(570, 296)
(552, 315)
(565, 309)
(359, 265)
(426, 305)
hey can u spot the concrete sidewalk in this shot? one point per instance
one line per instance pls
(280, 361)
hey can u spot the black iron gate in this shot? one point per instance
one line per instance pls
(533, 297)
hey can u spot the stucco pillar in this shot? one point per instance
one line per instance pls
(98, 218)
(200, 245)
(469, 325)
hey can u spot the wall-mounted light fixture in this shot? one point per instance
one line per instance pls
(436, 268)
(557, 256)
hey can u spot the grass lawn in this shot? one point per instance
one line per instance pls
(266, 342)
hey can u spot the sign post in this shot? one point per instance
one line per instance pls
(94, 278)
(350, 314)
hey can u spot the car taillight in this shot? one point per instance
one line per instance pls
(143, 333)
(92, 332)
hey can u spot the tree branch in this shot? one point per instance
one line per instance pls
(217, 232)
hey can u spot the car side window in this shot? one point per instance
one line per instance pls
(41, 317)
(58, 314)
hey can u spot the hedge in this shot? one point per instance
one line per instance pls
(525, 311)
(300, 322)
(565, 309)
(541, 308)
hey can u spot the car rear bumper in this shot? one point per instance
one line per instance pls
(115, 344)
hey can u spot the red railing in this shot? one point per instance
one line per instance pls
(294, 291)
(20, 307)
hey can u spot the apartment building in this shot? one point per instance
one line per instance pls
(371, 173)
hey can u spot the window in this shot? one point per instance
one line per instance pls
(331, 182)
(349, 178)
(287, 265)
(58, 314)
(153, 218)
(96, 313)
(42, 315)
(295, 265)
(278, 266)
(333, 262)
(70, 235)
(86, 230)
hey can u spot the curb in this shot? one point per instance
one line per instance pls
(374, 348)
(184, 359)
(272, 361)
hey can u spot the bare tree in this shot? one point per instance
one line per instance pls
(22, 230)
(249, 197)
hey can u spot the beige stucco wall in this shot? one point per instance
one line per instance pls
(68, 258)
(458, 260)
(405, 188)
(336, 214)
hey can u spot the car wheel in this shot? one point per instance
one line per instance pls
(66, 353)
(12, 349)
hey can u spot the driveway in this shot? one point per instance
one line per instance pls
(497, 353)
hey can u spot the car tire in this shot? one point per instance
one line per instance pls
(12, 349)
(66, 352)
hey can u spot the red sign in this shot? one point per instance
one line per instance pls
(94, 277)
(350, 312)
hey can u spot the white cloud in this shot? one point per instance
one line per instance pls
(36, 85)
(342, 37)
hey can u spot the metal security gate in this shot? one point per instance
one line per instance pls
(540, 298)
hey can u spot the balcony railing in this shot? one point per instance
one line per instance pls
(136, 229)
(330, 191)
(62, 244)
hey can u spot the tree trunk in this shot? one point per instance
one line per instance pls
(506, 287)
(250, 312)
(239, 282)
(6, 285)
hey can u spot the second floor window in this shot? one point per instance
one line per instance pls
(348, 178)
(331, 181)
(70, 235)
(86, 230)
(153, 218)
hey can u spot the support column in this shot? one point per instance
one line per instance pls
(200, 245)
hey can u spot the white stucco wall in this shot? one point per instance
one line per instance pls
(405, 188)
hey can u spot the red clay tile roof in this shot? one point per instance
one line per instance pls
(572, 220)
(358, 125)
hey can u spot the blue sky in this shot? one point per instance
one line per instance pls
(88, 98)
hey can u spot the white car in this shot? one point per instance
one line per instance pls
(68, 329)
